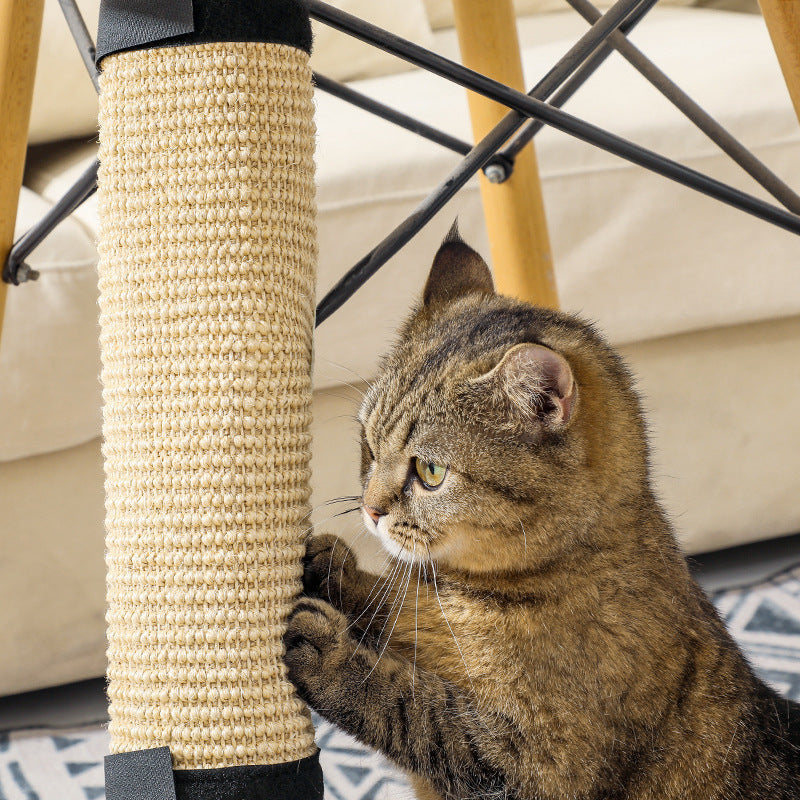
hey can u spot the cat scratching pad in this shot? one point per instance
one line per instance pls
(207, 275)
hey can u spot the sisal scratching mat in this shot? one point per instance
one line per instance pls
(207, 277)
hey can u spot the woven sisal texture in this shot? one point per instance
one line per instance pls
(207, 268)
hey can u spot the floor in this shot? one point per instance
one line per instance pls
(59, 707)
(746, 564)
(84, 702)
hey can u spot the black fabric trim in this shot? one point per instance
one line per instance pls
(297, 780)
(140, 775)
(148, 775)
(143, 24)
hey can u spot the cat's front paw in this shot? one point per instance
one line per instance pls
(330, 571)
(317, 646)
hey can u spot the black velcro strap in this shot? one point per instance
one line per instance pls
(148, 775)
(142, 24)
(140, 775)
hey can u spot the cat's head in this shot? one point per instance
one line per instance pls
(497, 433)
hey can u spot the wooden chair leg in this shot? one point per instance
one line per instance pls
(20, 26)
(783, 22)
(514, 210)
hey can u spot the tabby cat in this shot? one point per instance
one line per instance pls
(537, 634)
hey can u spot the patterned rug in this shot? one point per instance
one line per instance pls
(68, 764)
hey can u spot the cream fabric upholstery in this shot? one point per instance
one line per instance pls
(65, 102)
(343, 58)
(49, 356)
(52, 572)
(64, 99)
(721, 406)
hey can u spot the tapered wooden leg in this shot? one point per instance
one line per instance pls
(20, 26)
(514, 210)
(783, 22)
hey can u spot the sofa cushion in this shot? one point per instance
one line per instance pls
(64, 98)
(49, 357)
(52, 570)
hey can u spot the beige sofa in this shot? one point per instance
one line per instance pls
(703, 300)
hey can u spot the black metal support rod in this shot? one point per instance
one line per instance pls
(530, 106)
(480, 154)
(419, 56)
(361, 272)
(390, 114)
(478, 157)
(586, 70)
(83, 188)
(82, 37)
(15, 270)
(533, 126)
(704, 121)
(591, 43)
(592, 39)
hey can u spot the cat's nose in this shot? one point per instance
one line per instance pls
(374, 513)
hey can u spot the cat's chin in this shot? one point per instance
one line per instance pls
(475, 551)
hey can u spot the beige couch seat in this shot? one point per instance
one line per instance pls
(703, 300)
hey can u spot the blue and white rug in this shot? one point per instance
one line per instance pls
(765, 620)
(68, 764)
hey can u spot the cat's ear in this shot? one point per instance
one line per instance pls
(457, 270)
(533, 382)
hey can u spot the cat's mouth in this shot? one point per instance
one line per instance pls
(403, 551)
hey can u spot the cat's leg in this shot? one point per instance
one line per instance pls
(422, 722)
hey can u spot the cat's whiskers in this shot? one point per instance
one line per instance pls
(394, 603)
(367, 383)
(358, 391)
(333, 501)
(330, 567)
(346, 511)
(387, 564)
(343, 383)
(416, 629)
(407, 579)
(361, 532)
(424, 571)
(341, 499)
(355, 402)
(384, 597)
(308, 531)
(347, 398)
(378, 587)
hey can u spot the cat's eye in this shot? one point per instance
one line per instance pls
(430, 473)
